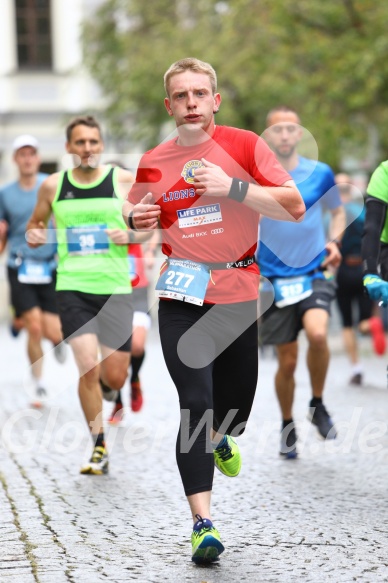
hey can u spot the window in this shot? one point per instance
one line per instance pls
(33, 29)
(48, 167)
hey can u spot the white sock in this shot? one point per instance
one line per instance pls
(357, 368)
(39, 382)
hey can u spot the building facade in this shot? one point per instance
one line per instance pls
(43, 82)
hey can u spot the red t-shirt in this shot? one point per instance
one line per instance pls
(210, 229)
(137, 268)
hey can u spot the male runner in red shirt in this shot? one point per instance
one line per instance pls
(207, 187)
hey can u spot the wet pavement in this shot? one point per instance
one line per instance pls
(322, 517)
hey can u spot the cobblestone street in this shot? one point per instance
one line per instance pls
(320, 518)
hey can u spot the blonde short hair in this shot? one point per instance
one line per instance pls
(191, 64)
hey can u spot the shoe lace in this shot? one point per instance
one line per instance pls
(321, 411)
(97, 455)
(224, 452)
(204, 528)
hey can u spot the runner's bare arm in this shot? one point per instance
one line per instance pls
(142, 216)
(276, 202)
(336, 230)
(140, 236)
(36, 227)
(3, 234)
(337, 223)
(283, 202)
(127, 236)
(125, 180)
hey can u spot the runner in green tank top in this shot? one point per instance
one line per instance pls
(83, 237)
(93, 287)
(374, 248)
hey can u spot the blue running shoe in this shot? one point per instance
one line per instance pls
(288, 439)
(14, 331)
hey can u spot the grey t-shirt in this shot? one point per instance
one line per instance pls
(16, 207)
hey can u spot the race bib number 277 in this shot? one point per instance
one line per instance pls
(184, 280)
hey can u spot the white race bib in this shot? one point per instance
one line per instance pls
(184, 280)
(87, 240)
(31, 271)
(291, 290)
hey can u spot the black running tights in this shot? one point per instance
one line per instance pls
(211, 352)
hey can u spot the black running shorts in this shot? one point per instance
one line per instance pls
(26, 296)
(109, 317)
(282, 325)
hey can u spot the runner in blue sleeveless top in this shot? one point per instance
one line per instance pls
(294, 258)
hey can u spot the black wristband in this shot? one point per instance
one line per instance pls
(238, 190)
(130, 222)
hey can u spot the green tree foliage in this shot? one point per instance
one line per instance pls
(328, 60)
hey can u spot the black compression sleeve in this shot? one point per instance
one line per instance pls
(376, 211)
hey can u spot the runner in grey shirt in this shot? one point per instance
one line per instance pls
(31, 272)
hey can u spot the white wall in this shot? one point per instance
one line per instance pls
(8, 62)
(41, 102)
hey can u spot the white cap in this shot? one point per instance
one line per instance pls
(23, 141)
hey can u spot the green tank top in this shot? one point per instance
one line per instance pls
(378, 187)
(89, 261)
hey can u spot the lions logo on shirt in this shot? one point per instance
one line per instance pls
(189, 170)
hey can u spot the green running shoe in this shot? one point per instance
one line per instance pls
(227, 457)
(206, 542)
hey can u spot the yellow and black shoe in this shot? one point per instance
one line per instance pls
(227, 457)
(206, 542)
(98, 463)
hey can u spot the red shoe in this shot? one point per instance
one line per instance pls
(136, 397)
(40, 397)
(378, 335)
(117, 414)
